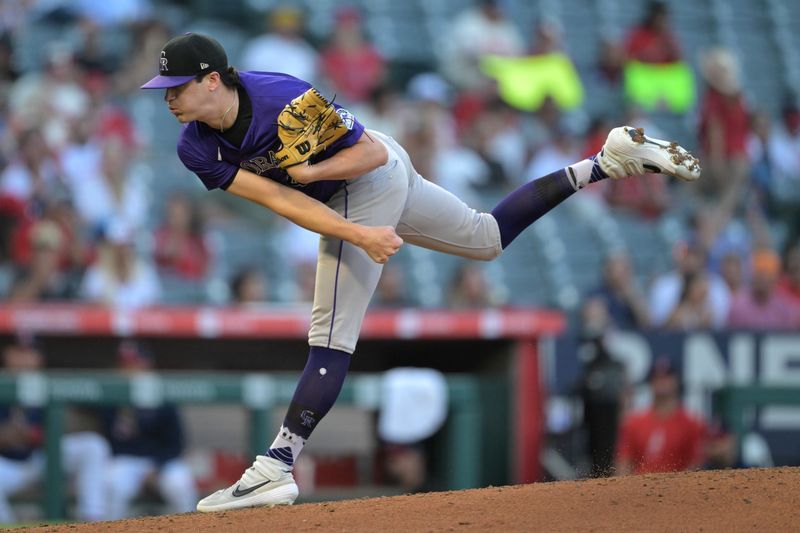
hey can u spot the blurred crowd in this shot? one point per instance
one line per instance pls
(84, 217)
(112, 454)
(87, 215)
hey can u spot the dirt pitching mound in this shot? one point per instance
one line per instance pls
(724, 501)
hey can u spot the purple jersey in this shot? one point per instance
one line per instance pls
(216, 161)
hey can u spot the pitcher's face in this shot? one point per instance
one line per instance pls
(185, 100)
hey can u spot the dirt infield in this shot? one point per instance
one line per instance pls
(724, 501)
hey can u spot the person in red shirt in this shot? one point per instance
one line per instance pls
(789, 283)
(351, 64)
(652, 41)
(180, 248)
(665, 437)
(724, 127)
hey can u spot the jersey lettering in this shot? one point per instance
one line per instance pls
(259, 165)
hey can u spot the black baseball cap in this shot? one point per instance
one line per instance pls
(185, 57)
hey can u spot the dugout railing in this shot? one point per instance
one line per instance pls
(731, 404)
(259, 393)
(500, 344)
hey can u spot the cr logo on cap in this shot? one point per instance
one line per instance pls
(163, 61)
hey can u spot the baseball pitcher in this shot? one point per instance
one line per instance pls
(274, 140)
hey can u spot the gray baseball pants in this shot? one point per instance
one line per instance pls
(423, 214)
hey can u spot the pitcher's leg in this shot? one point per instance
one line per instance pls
(436, 219)
(346, 280)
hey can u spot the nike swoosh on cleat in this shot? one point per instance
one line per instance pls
(645, 139)
(650, 141)
(237, 493)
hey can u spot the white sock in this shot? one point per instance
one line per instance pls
(580, 173)
(286, 447)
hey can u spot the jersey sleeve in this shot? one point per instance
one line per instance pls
(201, 157)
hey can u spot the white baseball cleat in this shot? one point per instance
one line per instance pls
(629, 152)
(265, 484)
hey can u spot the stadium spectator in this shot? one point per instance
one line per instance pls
(412, 409)
(53, 98)
(545, 124)
(108, 188)
(94, 59)
(721, 449)
(647, 197)
(762, 307)
(391, 291)
(84, 455)
(147, 37)
(789, 283)
(384, 108)
(282, 48)
(652, 40)
(552, 154)
(774, 149)
(609, 68)
(431, 140)
(249, 287)
(8, 71)
(11, 212)
(58, 214)
(352, 67)
(469, 289)
(666, 291)
(476, 32)
(625, 302)
(429, 128)
(180, 248)
(300, 247)
(548, 37)
(496, 136)
(43, 278)
(110, 14)
(732, 273)
(119, 278)
(787, 186)
(602, 388)
(724, 126)
(663, 437)
(32, 176)
(606, 79)
(693, 311)
(146, 445)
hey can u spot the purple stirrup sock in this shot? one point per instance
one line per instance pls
(523, 206)
(317, 389)
(315, 394)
